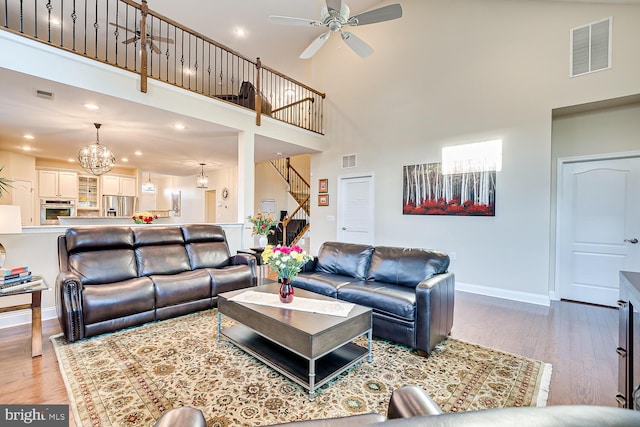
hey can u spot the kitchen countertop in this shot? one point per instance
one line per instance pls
(111, 220)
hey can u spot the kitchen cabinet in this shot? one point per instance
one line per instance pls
(87, 192)
(115, 185)
(56, 184)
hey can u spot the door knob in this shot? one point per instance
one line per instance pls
(632, 241)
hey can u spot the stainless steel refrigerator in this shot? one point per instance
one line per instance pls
(119, 205)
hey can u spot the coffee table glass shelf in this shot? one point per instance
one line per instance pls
(308, 348)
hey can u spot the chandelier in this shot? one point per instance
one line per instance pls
(95, 158)
(202, 181)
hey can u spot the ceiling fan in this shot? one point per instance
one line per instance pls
(137, 35)
(334, 16)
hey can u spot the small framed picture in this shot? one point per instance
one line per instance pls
(323, 200)
(323, 185)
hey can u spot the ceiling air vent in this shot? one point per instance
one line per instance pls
(591, 47)
(349, 161)
(44, 94)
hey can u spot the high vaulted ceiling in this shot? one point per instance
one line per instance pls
(59, 132)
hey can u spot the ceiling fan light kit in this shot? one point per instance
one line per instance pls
(334, 16)
(95, 158)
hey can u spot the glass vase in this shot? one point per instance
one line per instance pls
(286, 290)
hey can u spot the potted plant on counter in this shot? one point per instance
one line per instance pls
(5, 183)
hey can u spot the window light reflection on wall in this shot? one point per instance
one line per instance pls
(475, 157)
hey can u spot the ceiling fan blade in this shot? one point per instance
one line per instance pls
(300, 22)
(356, 44)
(334, 5)
(130, 40)
(386, 13)
(160, 39)
(154, 48)
(122, 27)
(315, 45)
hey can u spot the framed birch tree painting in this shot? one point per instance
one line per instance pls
(427, 191)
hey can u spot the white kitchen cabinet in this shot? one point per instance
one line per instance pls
(115, 185)
(54, 184)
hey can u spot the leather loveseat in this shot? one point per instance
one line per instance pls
(410, 290)
(115, 277)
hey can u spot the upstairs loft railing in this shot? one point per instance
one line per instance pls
(109, 31)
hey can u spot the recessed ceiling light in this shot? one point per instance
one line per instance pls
(279, 153)
(138, 153)
(239, 32)
(70, 160)
(54, 21)
(29, 136)
(187, 71)
(91, 107)
(179, 126)
(26, 148)
(124, 159)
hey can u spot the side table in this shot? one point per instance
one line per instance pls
(35, 290)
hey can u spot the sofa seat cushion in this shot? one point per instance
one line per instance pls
(392, 300)
(178, 288)
(230, 278)
(119, 299)
(321, 283)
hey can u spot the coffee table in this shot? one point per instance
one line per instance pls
(308, 348)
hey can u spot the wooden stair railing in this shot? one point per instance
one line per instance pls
(300, 191)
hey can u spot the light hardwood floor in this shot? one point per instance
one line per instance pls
(579, 340)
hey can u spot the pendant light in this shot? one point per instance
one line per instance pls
(95, 158)
(202, 181)
(149, 187)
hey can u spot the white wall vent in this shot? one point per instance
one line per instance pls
(591, 47)
(348, 161)
(44, 94)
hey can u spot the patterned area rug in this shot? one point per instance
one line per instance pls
(128, 378)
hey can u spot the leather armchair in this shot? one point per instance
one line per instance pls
(411, 406)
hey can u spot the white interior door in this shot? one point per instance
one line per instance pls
(22, 195)
(355, 209)
(599, 228)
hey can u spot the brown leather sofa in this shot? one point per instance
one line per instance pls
(410, 290)
(115, 277)
(411, 406)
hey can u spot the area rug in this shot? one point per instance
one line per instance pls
(130, 377)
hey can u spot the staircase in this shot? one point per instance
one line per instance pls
(296, 224)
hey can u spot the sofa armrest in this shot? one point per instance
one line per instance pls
(310, 266)
(69, 305)
(434, 310)
(247, 259)
(410, 401)
(184, 416)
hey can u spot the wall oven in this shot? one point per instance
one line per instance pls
(50, 210)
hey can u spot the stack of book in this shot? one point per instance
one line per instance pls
(14, 277)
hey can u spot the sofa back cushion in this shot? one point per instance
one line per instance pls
(100, 255)
(206, 246)
(345, 259)
(405, 266)
(160, 250)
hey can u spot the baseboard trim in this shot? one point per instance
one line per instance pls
(23, 317)
(504, 294)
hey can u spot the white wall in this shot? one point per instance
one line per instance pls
(458, 71)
